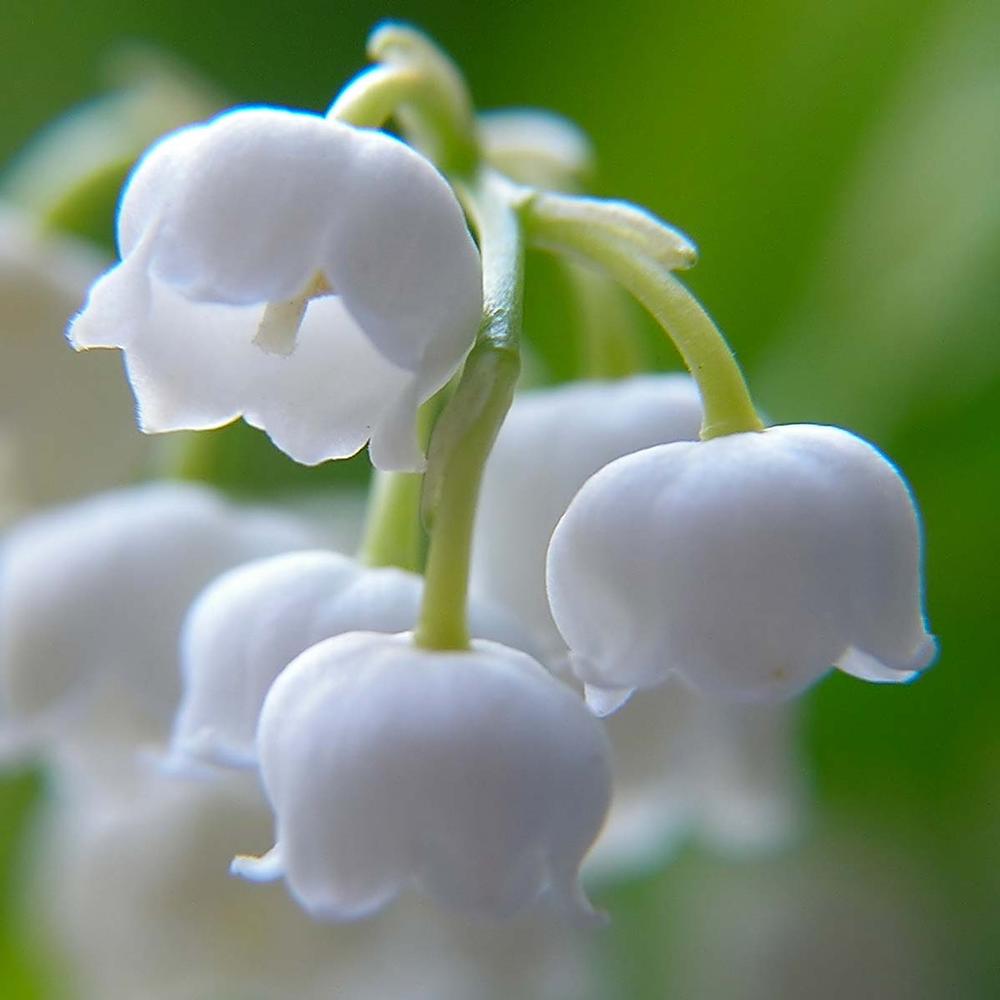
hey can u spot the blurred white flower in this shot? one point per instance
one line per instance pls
(317, 279)
(747, 565)
(686, 765)
(92, 597)
(683, 763)
(130, 879)
(67, 422)
(472, 775)
(248, 625)
(536, 147)
(131, 882)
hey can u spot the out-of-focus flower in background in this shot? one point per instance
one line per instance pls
(92, 597)
(69, 427)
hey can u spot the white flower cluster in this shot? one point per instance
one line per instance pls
(319, 279)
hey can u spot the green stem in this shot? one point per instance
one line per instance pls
(725, 397)
(392, 526)
(437, 118)
(188, 455)
(414, 82)
(393, 533)
(610, 345)
(464, 435)
(371, 98)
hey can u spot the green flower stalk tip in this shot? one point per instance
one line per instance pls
(437, 114)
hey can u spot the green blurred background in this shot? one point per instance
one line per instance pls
(837, 163)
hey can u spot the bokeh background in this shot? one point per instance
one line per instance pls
(838, 165)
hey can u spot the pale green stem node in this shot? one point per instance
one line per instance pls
(566, 215)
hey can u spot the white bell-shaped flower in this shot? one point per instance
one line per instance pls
(92, 597)
(552, 441)
(471, 775)
(248, 625)
(67, 422)
(683, 764)
(748, 565)
(317, 279)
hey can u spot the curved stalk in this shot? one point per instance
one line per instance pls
(725, 397)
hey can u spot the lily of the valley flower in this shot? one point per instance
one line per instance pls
(683, 763)
(317, 279)
(67, 421)
(92, 597)
(248, 625)
(472, 775)
(747, 564)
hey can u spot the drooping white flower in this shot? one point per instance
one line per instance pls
(66, 421)
(472, 775)
(92, 597)
(748, 565)
(552, 441)
(248, 625)
(683, 763)
(317, 279)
